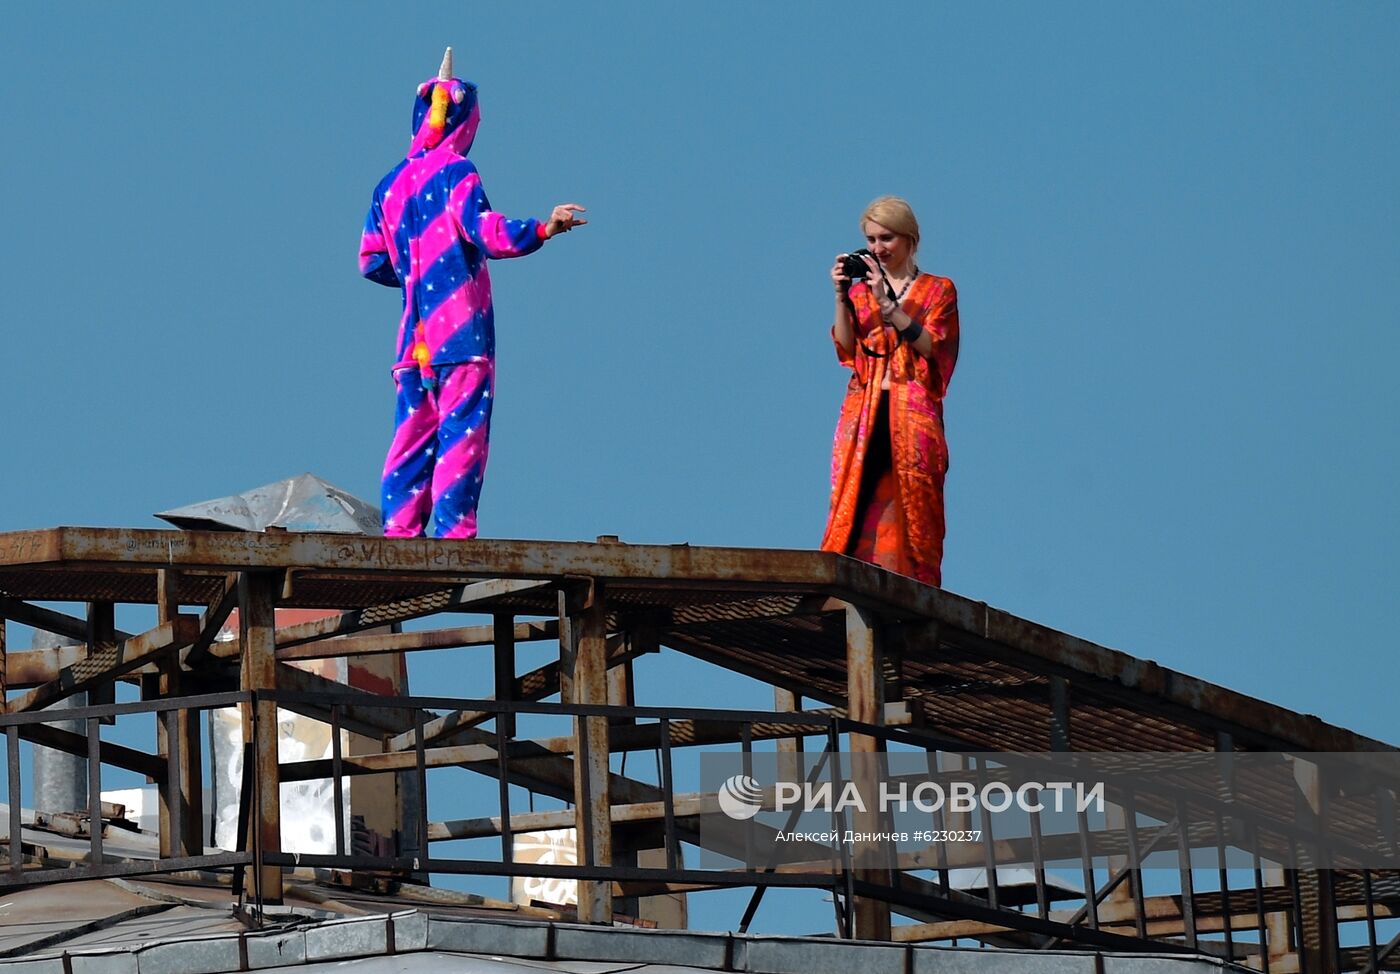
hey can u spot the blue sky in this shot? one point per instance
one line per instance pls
(1174, 231)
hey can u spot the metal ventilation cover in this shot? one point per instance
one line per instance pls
(304, 503)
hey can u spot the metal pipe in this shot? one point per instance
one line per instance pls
(60, 780)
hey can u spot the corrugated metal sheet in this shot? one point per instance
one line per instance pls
(185, 937)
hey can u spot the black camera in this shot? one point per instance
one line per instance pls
(853, 267)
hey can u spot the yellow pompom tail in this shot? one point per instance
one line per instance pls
(437, 118)
(421, 355)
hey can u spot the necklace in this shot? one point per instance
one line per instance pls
(913, 276)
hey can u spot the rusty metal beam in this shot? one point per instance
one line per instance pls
(583, 679)
(686, 806)
(407, 642)
(30, 667)
(865, 693)
(38, 617)
(170, 800)
(1162, 910)
(211, 621)
(350, 553)
(645, 737)
(1122, 676)
(1162, 915)
(362, 764)
(107, 665)
(257, 597)
(27, 668)
(448, 600)
(182, 804)
(30, 547)
(692, 733)
(117, 755)
(535, 685)
(1116, 674)
(369, 718)
(1317, 924)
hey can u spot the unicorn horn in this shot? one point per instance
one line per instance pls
(445, 72)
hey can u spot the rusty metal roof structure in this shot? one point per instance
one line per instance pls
(854, 654)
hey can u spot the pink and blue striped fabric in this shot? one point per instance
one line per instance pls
(429, 231)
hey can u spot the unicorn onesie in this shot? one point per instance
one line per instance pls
(429, 231)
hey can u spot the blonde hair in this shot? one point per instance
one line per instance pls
(895, 213)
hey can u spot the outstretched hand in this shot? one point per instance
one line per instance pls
(564, 218)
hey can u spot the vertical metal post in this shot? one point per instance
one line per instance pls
(337, 781)
(984, 818)
(1086, 861)
(620, 691)
(102, 633)
(584, 678)
(939, 827)
(1225, 906)
(1317, 917)
(846, 917)
(182, 801)
(1370, 897)
(1267, 932)
(1060, 742)
(254, 781)
(1188, 886)
(1042, 893)
(420, 777)
(257, 596)
(865, 693)
(668, 802)
(503, 647)
(11, 758)
(787, 702)
(94, 749)
(14, 797)
(247, 789)
(746, 752)
(1299, 936)
(172, 807)
(1134, 862)
(503, 795)
(167, 684)
(1117, 865)
(189, 724)
(1225, 746)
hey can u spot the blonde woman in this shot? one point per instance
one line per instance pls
(896, 329)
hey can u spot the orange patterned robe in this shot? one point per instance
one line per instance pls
(904, 512)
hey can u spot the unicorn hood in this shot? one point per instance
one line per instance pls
(445, 113)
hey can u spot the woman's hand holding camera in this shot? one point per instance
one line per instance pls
(888, 306)
(890, 312)
(838, 276)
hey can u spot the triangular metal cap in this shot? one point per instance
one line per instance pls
(304, 503)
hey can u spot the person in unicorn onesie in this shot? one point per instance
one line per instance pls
(429, 231)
